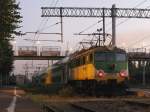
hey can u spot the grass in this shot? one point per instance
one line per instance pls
(47, 94)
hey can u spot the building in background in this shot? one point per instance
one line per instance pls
(20, 79)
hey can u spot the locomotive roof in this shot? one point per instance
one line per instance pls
(97, 48)
(84, 51)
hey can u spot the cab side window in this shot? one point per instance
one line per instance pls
(84, 60)
(91, 58)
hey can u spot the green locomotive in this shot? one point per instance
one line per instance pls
(91, 70)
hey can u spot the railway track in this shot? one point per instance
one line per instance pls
(82, 108)
(97, 104)
(138, 103)
(49, 108)
(139, 92)
(73, 107)
(102, 105)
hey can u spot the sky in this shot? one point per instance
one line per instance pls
(32, 21)
(130, 32)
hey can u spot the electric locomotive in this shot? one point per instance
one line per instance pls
(90, 70)
(97, 68)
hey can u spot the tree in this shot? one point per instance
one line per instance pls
(9, 19)
(9, 23)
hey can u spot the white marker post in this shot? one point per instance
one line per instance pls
(12, 105)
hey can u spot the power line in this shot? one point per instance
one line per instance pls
(42, 40)
(56, 3)
(52, 2)
(90, 27)
(139, 4)
(40, 25)
(44, 18)
(49, 26)
(148, 7)
(146, 46)
(38, 30)
(139, 40)
(54, 6)
(48, 18)
(129, 18)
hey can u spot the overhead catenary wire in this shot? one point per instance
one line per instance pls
(41, 24)
(39, 30)
(145, 37)
(124, 21)
(146, 46)
(56, 3)
(48, 18)
(31, 40)
(89, 27)
(148, 7)
(129, 18)
(120, 23)
(42, 29)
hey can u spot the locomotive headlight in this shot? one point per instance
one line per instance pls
(100, 73)
(123, 73)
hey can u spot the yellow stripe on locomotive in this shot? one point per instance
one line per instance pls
(96, 65)
(83, 72)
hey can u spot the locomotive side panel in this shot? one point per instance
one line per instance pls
(82, 67)
(83, 72)
(102, 66)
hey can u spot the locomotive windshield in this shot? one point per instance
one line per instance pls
(103, 56)
(99, 56)
(120, 57)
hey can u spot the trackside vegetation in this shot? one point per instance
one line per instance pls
(9, 23)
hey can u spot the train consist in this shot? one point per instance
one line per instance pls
(88, 70)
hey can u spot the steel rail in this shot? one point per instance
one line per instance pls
(81, 108)
(138, 103)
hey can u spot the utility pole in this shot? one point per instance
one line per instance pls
(113, 25)
(48, 63)
(26, 68)
(103, 25)
(144, 78)
(61, 21)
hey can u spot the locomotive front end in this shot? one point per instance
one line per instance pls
(111, 67)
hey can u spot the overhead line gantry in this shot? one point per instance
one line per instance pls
(96, 12)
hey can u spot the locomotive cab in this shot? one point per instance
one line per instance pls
(111, 66)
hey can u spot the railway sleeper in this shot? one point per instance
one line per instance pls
(82, 108)
(49, 108)
(138, 103)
